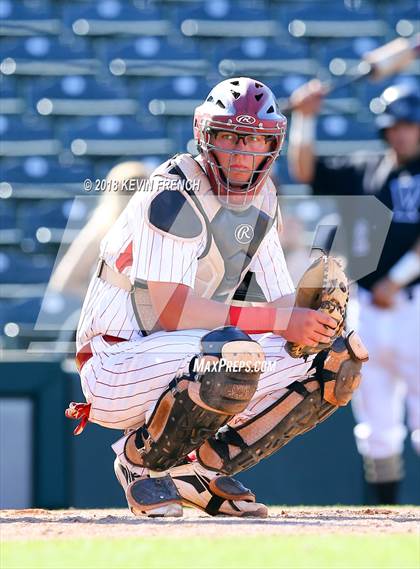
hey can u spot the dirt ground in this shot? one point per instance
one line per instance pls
(65, 524)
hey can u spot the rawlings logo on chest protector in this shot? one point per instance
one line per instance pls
(244, 233)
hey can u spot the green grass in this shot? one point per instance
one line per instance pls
(268, 552)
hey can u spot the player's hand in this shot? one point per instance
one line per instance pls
(307, 98)
(384, 292)
(309, 327)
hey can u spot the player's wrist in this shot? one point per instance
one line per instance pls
(303, 129)
(253, 319)
(405, 270)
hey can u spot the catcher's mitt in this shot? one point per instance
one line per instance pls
(324, 287)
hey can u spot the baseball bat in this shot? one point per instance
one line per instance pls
(377, 64)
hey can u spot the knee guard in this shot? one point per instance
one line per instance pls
(303, 405)
(222, 382)
(233, 450)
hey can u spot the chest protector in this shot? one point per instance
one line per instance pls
(186, 208)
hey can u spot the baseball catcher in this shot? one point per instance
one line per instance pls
(203, 386)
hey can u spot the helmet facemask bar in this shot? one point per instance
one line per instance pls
(226, 188)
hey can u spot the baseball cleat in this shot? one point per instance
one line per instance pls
(215, 493)
(146, 496)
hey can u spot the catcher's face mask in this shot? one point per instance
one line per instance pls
(239, 133)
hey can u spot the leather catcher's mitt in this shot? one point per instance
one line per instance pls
(323, 287)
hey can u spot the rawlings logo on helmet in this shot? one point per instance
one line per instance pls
(245, 119)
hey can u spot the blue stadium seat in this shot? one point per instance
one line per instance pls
(335, 20)
(42, 55)
(177, 96)
(342, 57)
(75, 95)
(40, 177)
(115, 18)
(341, 134)
(23, 311)
(11, 103)
(10, 234)
(263, 58)
(181, 132)
(25, 136)
(403, 17)
(35, 317)
(155, 57)
(117, 136)
(49, 214)
(370, 91)
(49, 222)
(28, 19)
(16, 267)
(7, 216)
(221, 18)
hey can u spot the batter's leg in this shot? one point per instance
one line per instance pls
(379, 405)
(409, 361)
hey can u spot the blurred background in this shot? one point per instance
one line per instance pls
(86, 85)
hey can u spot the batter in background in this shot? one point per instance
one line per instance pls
(389, 298)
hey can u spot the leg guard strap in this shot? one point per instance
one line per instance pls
(233, 450)
(194, 408)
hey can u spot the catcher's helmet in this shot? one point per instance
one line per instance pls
(241, 106)
(398, 103)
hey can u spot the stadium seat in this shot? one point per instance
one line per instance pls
(155, 57)
(181, 131)
(52, 215)
(263, 58)
(42, 55)
(177, 96)
(28, 19)
(115, 18)
(75, 95)
(11, 103)
(16, 267)
(343, 57)
(221, 18)
(25, 136)
(341, 134)
(369, 92)
(117, 136)
(39, 177)
(335, 20)
(10, 233)
(403, 17)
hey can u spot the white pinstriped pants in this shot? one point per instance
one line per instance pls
(390, 388)
(123, 381)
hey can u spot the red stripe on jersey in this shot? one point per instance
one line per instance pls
(125, 259)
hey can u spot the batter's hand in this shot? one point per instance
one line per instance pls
(309, 327)
(307, 98)
(384, 292)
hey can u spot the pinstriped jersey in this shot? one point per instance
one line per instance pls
(206, 247)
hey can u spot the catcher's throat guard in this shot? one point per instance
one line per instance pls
(194, 408)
